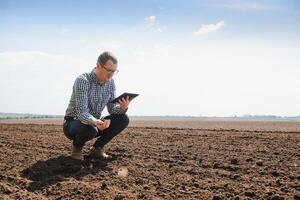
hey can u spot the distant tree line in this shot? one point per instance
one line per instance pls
(270, 116)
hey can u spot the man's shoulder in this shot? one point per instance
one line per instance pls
(83, 78)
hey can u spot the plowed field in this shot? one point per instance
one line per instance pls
(153, 163)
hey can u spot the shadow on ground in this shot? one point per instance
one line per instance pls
(49, 172)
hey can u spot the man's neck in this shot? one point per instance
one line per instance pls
(97, 73)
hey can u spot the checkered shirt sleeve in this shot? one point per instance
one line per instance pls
(81, 88)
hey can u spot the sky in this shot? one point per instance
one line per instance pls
(185, 58)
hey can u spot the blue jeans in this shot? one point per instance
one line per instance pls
(81, 133)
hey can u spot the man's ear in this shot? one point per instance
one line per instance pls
(98, 65)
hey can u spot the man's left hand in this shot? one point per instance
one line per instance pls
(124, 103)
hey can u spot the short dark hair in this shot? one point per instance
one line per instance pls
(105, 56)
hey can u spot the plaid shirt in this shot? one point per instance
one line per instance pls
(89, 98)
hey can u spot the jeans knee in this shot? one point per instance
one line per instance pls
(121, 119)
(91, 133)
(125, 119)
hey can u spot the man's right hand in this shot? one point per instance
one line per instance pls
(101, 125)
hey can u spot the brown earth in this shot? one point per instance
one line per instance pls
(221, 161)
(188, 122)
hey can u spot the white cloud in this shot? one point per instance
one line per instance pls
(248, 6)
(208, 78)
(32, 80)
(209, 28)
(215, 79)
(150, 21)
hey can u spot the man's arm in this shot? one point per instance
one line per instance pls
(114, 108)
(80, 88)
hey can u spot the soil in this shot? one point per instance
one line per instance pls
(160, 162)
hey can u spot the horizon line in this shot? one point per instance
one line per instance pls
(185, 116)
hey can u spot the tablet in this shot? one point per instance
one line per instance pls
(126, 94)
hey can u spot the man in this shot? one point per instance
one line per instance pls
(92, 92)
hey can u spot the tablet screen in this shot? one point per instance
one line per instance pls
(125, 95)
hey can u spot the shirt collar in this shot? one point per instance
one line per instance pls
(94, 77)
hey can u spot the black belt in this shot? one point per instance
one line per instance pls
(68, 118)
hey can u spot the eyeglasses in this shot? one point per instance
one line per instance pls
(113, 72)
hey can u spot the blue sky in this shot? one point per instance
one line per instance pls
(232, 57)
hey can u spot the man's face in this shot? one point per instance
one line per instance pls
(107, 70)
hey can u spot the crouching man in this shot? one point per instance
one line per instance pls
(92, 92)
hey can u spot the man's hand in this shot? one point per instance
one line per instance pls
(101, 125)
(124, 103)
